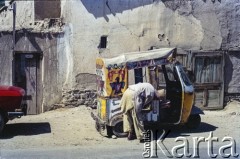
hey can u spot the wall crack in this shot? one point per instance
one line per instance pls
(119, 21)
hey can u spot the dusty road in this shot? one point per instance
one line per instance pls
(70, 133)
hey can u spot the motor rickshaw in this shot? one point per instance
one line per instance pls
(162, 71)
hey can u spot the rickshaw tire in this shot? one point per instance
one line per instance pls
(193, 121)
(118, 130)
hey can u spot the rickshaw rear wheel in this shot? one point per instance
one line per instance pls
(193, 121)
(118, 130)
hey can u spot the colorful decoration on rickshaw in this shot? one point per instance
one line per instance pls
(116, 79)
(100, 77)
(111, 79)
(146, 63)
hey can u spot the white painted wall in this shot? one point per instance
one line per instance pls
(131, 28)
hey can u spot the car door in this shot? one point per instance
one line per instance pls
(174, 93)
(187, 93)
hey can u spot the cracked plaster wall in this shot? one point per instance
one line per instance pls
(196, 25)
(133, 25)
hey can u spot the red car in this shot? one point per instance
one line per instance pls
(11, 104)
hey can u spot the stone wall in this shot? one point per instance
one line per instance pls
(76, 98)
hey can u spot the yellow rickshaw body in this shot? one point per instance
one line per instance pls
(187, 106)
(112, 82)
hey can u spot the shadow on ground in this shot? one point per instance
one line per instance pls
(176, 131)
(184, 131)
(25, 129)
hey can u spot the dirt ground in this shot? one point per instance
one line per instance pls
(75, 127)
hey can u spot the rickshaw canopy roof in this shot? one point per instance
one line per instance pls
(148, 57)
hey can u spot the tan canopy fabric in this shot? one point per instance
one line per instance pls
(133, 57)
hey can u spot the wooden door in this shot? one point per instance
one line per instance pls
(208, 70)
(26, 78)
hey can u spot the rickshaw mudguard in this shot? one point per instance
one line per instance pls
(196, 110)
(97, 119)
(114, 120)
(100, 125)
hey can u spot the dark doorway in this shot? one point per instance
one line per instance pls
(27, 75)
